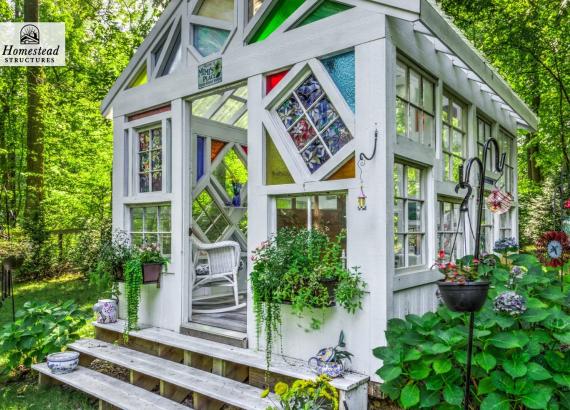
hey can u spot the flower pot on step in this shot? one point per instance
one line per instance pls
(151, 273)
(464, 297)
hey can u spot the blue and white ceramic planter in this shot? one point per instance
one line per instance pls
(64, 362)
(331, 369)
(106, 311)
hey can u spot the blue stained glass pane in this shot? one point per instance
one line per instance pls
(200, 148)
(323, 113)
(208, 40)
(309, 91)
(336, 136)
(341, 69)
(289, 111)
(315, 155)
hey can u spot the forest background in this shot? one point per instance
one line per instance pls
(56, 148)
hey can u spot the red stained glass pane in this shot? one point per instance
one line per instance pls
(217, 146)
(244, 147)
(273, 79)
(302, 132)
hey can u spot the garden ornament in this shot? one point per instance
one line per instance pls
(106, 310)
(330, 360)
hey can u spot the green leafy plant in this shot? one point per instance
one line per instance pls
(521, 352)
(303, 268)
(465, 269)
(40, 329)
(133, 283)
(150, 253)
(316, 394)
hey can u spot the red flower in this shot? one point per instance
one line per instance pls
(567, 204)
(441, 253)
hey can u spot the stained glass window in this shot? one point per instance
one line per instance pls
(216, 148)
(174, 57)
(209, 40)
(150, 160)
(219, 107)
(341, 68)
(454, 136)
(348, 170)
(277, 16)
(151, 224)
(140, 79)
(325, 9)
(313, 124)
(200, 157)
(217, 9)
(271, 80)
(208, 216)
(276, 171)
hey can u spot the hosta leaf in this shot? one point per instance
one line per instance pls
(562, 379)
(411, 355)
(523, 386)
(509, 340)
(453, 394)
(429, 399)
(515, 366)
(410, 396)
(555, 360)
(495, 401)
(435, 348)
(388, 373)
(534, 303)
(563, 337)
(535, 315)
(387, 355)
(419, 371)
(504, 321)
(485, 360)
(441, 366)
(503, 382)
(485, 386)
(391, 389)
(412, 338)
(434, 383)
(537, 372)
(538, 397)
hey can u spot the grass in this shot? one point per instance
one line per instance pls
(20, 391)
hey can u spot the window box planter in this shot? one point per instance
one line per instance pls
(464, 297)
(330, 285)
(151, 273)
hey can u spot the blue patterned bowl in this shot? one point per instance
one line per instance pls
(64, 362)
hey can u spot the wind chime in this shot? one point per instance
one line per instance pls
(361, 162)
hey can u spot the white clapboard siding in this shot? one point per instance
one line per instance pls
(198, 381)
(110, 390)
(418, 300)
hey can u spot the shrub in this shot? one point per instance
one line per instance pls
(40, 329)
(521, 355)
(306, 394)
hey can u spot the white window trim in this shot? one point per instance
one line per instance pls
(158, 205)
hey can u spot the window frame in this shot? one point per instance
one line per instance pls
(159, 233)
(506, 138)
(460, 245)
(481, 144)
(137, 153)
(424, 228)
(453, 99)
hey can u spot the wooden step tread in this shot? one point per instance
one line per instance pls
(294, 368)
(189, 378)
(110, 390)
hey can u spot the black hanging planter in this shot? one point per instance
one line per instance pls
(465, 297)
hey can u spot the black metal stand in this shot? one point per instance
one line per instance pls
(464, 183)
(7, 290)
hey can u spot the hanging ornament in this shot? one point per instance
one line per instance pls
(553, 249)
(361, 200)
(567, 204)
(499, 202)
(362, 161)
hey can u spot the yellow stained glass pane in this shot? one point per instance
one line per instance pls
(140, 79)
(346, 171)
(227, 111)
(276, 171)
(202, 105)
(217, 9)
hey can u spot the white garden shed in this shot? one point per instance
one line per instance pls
(283, 97)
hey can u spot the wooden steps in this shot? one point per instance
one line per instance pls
(109, 391)
(215, 334)
(174, 379)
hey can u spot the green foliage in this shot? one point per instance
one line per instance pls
(133, 283)
(150, 253)
(306, 395)
(40, 329)
(518, 361)
(306, 269)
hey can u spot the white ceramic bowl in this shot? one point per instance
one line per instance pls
(64, 362)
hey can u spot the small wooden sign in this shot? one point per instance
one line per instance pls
(210, 73)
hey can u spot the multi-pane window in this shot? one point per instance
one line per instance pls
(409, 224)
(505, 225)
(454, 136)
(414, 105)
(506, 142)
(149, 151)
(483, 134)
(326, 212)
(151, 224)
(486, 240)
(450, 229)
(253, 7)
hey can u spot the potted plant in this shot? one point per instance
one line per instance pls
(464, 289)
(152, 262)
(305, 269)
(305, 394)
(331, 361)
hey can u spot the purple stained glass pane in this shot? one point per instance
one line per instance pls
(200, 149)
(144, 183)
(289, 111)
(302, 132)
(309, 91)
(315, 155)
(144, 163)
(323, 113)
(157, 181)
(156, 139)
(143, 141)
(336, 136)
(156, 156)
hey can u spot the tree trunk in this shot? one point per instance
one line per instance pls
(34, 140)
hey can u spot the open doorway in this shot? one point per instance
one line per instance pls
(219, 209)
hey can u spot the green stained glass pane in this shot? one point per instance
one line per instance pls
(201, 106)
(243, 224)
(217, 9)
(326, 9)
(227, 111)
(278, 14)
(140, 79)
(341, 69)
(209, 40)
(243, 121)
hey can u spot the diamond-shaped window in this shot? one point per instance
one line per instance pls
(313, 123)
(208, 216)
(231, 173)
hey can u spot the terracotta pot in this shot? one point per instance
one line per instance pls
(151, 272)
(467, 297)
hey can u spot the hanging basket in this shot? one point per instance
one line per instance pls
(499, 202)
(464, 297)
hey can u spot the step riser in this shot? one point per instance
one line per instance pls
(214, 337)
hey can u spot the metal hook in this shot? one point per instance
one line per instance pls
(366, 158)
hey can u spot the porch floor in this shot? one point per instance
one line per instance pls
(235, 320)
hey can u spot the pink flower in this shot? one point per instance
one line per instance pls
(441, 254)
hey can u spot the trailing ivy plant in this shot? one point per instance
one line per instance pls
(303, 268)
(133, 283)
(521, 354)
